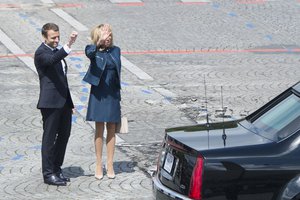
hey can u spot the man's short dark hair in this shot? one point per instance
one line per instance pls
(49, 26)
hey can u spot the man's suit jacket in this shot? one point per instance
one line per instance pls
(54, 89)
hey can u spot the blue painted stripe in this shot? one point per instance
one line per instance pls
(74, 119)
(216, 5)
(269, 37)
(32, 22)
(249, 25)
(81, 74)
(36, 147)
(124, 84)
(83, 98)
(80, 107)
(146, 91)
(78, 66)
(232, 14)
(85, 90)
(18, 157)
(168, 98)
(75, 59)
(23, 16)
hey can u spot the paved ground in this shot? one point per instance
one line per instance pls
(250, 48)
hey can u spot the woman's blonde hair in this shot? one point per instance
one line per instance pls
(96, 33)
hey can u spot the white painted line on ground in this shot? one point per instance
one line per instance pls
(47, 1)
(163, 91)
(68, 18)
(144, 76)
(13, 47)
(125, 1)
(135, 70)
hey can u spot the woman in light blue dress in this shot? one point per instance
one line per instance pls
(104, 101)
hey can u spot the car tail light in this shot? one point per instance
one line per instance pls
(196, 180)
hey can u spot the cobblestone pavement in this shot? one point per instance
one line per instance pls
(172, 50)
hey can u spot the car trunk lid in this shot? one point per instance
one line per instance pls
(217, 135)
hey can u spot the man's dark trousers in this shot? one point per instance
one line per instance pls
(57, 128)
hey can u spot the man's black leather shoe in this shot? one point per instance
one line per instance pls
(62, 177)
(54, 180)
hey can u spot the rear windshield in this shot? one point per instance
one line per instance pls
(282, 120)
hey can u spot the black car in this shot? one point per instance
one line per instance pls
(254, 158)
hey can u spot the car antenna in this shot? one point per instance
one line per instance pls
(207, 120)
(224, 136)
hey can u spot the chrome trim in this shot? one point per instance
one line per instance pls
(175, 168)
(170, 193)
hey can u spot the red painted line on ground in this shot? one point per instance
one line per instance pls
(9, 6)
(251, 1)
(212, 51)
(192, 3)
(131, 4)
(80, 53)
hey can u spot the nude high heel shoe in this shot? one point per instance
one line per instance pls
(110, 172)
(98, 176)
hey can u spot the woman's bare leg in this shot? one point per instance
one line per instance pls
(98, 149)
(110, 144)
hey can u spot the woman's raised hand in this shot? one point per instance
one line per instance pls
(105, 33)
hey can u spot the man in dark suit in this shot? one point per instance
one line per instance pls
(55, 102)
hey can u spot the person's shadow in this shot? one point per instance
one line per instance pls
(124, 167)
(119, 167)
(73, 172)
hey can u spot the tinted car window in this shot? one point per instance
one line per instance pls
(281, 120)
